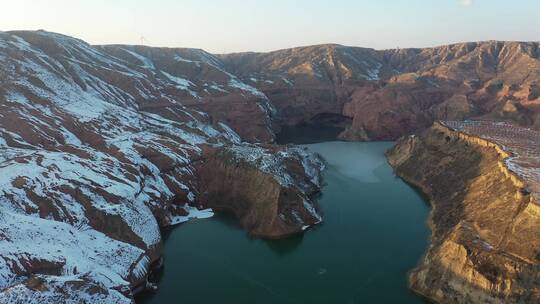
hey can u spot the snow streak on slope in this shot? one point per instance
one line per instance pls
(96, 153)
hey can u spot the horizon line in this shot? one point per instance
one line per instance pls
(278, 49)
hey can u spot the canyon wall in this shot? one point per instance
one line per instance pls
(268, 190)
(390, 93)
(485, 245)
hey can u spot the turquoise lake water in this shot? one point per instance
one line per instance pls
(374, 232)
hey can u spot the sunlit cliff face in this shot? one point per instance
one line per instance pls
(480, 178)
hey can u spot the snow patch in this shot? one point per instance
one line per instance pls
(146, 62)
(182, 84)
(193, 213)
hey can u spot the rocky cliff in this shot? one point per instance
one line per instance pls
(485, 221)
(391, 93)
(100, 147)
(267, 188)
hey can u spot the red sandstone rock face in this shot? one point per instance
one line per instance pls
(394, 92)
(98, 150)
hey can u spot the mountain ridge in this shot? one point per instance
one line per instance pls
(476, 79)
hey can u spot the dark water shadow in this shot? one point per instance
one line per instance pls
(307, 134)
(228, 219)
(280, 247)
(286, 246)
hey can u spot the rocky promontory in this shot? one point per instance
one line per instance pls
(269, 189)
(481, 179)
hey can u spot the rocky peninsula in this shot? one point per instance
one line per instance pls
(481, 179)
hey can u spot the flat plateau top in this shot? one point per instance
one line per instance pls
(522, 143)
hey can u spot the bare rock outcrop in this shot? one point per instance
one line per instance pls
(269, 189)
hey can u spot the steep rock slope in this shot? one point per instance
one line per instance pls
(485, 244)
(278, 181)
(101, 146)
(305, 82)
(206, 86)
(393, 92)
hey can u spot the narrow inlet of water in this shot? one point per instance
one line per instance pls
(374, 232)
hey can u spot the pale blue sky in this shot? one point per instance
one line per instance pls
(261, 25)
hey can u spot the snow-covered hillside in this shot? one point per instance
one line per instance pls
(97, 152)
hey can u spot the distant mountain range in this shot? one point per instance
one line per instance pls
(390, 93)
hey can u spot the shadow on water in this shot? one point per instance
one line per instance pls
(227, 219)
(280, 247)
(322, 127)
(286, 246)
(307, 134)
